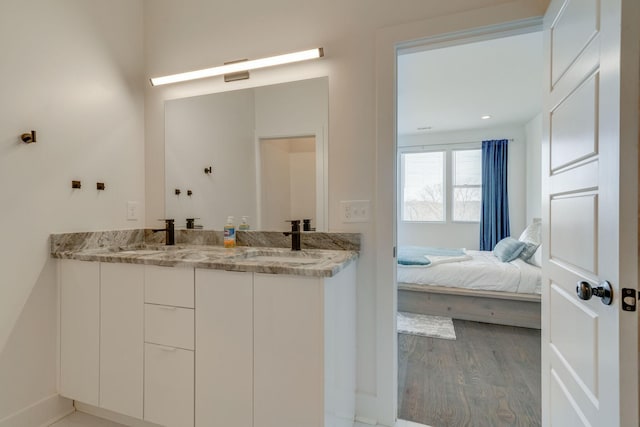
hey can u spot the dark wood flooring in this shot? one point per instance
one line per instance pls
(488, 377)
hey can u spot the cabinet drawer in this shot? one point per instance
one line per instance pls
(168, 325)
(169, 386)
(169, 286)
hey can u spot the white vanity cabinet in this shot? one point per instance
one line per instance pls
(121, 338)
(79, 330)
(224, 348)
(275, 350)
(304, 350)
(101, 334)
(169, 343)
(181, 346)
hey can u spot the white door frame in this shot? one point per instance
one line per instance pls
(437, 32)
(322, 174)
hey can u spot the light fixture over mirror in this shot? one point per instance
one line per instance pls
(237, 67)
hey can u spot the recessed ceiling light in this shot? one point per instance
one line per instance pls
(487, 117)
(424, 128)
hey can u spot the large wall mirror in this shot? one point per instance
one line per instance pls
(267, 149)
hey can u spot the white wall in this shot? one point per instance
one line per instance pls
(73, 71)
(467, 235)
(216, 131)
(533, 131)
(193, 34)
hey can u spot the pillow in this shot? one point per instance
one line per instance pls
(412, 255)
(533, 232)
(528, 251)
(508, 249)
(536, 259)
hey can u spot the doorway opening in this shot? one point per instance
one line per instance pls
(287, 181)
(451, 98)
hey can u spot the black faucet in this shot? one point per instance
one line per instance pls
(170, 234)
(295, 234)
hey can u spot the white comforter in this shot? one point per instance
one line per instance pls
(482, 272)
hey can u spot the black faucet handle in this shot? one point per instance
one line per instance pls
(295, 224)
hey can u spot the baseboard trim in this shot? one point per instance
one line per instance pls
(42, 413)
(366, 409)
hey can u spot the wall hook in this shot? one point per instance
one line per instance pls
(100, 185)
(76, 184)
(189, 192)
(208, 170)
(28, 137)
(177, 191)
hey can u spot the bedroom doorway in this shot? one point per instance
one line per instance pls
(478, 359)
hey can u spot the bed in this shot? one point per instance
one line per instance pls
(477, 287)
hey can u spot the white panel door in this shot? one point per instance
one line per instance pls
(121, 337)
(590, 213)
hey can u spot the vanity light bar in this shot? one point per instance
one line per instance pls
(240, 66)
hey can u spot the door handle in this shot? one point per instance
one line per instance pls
(585, 291)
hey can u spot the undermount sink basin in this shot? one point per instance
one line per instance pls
(281, 257)
(139, 252)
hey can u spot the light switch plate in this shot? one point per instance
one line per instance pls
(355, 210)
(133, 211)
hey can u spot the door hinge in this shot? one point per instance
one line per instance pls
(629, 298)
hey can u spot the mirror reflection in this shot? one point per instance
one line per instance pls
(266, 150)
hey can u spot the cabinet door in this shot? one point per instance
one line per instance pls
(80, 330)
(168, 386)
(121, 338)
(288, 351)
(224, 348)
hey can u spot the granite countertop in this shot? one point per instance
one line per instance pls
(273, 260)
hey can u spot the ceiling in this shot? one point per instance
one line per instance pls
(451, 88)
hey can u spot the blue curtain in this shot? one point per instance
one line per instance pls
(494, 217)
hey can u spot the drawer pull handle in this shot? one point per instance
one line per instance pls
(167, 349)
(164, 307)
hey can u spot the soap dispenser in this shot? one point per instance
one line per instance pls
(244, 225)
(229, 233)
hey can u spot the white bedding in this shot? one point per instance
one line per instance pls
(482, 272)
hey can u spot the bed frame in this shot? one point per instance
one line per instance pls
(502, 308)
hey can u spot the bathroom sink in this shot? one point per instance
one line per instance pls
(139, 252)
(280, 257)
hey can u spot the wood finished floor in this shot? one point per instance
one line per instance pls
(488, 377)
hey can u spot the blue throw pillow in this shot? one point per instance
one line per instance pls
(508, 249)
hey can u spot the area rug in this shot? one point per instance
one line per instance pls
(426, 326)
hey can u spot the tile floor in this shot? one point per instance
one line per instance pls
(80, 419)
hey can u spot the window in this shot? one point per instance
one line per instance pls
(467, 185)
(423, 186)
(430, 178)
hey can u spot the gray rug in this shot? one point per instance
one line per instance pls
(426, 326)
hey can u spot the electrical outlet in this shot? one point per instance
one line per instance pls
(133, 211)
(355, 210)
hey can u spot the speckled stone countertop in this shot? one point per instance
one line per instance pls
(130, 246)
